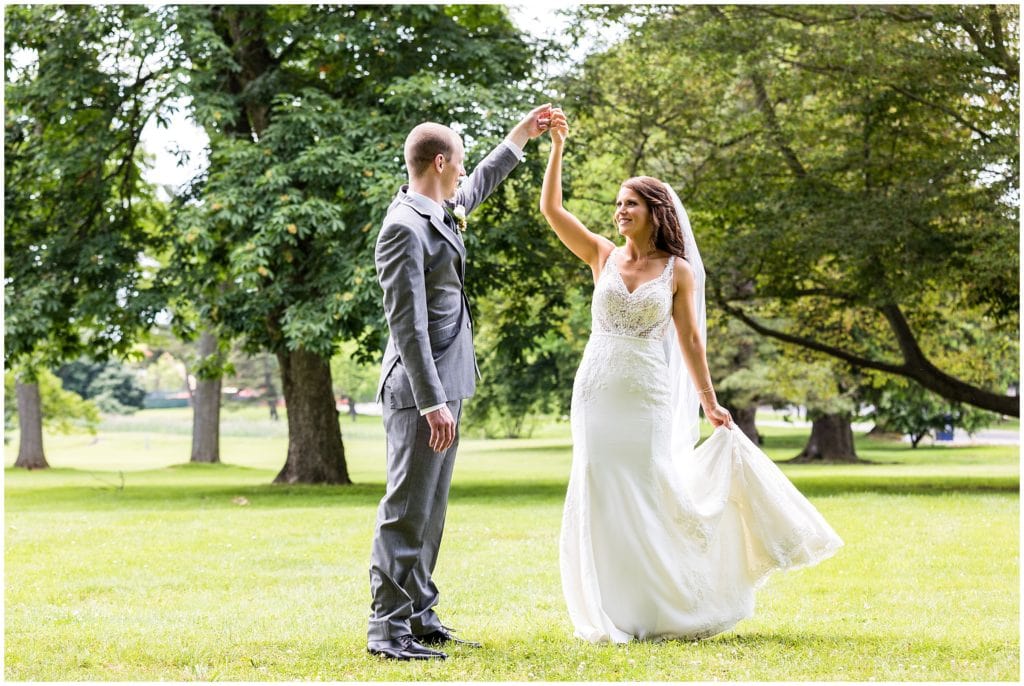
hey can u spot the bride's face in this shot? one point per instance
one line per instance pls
(631, 214)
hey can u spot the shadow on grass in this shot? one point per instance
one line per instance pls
(190, 488)
(789, 443)
(811, 487)
(781, 639)
(522, 655)
(863, 643)
(782, 449)
(560, 448)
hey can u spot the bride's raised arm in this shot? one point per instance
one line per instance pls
(583, 243)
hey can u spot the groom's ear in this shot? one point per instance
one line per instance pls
(439, 162)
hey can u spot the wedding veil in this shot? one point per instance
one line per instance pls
(685, 399)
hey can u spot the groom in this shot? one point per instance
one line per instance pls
(429, 367)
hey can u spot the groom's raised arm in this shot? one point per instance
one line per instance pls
(399, 257)
(493, 169)
(486, 176)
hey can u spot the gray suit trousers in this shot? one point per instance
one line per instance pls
(410, 521)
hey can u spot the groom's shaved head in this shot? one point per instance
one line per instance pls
(425, 142)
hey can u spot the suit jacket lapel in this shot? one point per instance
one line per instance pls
(438, 225)
(455, 239)
(450, 234)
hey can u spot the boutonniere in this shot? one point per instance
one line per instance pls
(459, 213)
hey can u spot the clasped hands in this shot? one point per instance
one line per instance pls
(537, 121)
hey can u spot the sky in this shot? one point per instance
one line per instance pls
(540, 19)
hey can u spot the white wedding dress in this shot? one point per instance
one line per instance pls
(660, 540)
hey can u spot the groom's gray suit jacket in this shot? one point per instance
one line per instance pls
(421, 265)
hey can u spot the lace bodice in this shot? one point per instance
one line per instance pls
(644, 313)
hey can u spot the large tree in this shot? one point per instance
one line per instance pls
(306, 108)
(852, 172)
(81, 83)
(53, 406)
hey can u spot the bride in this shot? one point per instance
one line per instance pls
(660, 539)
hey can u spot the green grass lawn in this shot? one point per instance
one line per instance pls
(122, 562)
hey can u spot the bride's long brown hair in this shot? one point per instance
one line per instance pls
(667, 235)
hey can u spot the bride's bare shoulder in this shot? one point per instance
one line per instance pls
(682, 276)
(682, 269)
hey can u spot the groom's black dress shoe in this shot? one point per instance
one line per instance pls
(445, 635)
(403, 648)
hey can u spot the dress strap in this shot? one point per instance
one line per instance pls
(670, 267)
(609, 261)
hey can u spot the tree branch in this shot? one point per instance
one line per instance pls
(774, 129)
(831, 69)
(941, 108)
(995, 55)
(810, 344)
(915, 365)
(911, 15)
(1009, 64)
(921, 369)
(638, 152)
(803, 21)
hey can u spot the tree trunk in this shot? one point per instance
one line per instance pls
(30, 425)
(268, 381)
(316, 454)
(206, 407)
(744, 418)
(831, 441)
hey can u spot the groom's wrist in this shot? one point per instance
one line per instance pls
(432, 408)
(519, 136)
